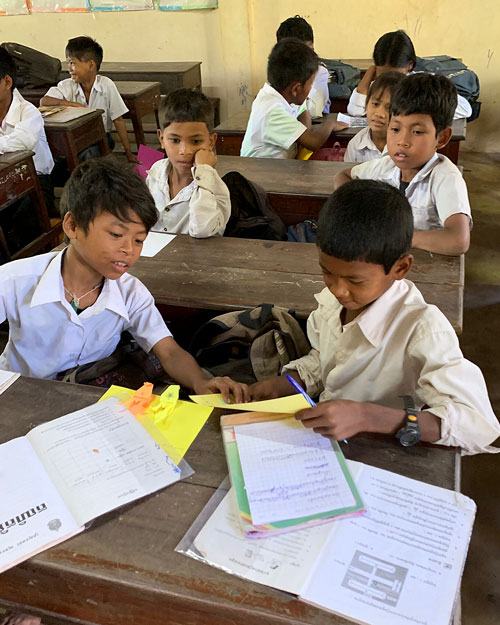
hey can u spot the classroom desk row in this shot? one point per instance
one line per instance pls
(226, 274)
(123, 569)
(230, 135)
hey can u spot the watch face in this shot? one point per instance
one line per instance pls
(408, 439)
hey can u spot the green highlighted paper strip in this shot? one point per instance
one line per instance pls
(174, 424)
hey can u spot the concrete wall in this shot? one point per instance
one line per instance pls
(233, 41)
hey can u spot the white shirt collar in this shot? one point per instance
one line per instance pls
(95, 87)
(377, 318)
(161, 173)
(50, 289)
(366, 142)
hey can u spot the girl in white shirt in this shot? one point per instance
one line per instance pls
(394, 51)
(370, 142)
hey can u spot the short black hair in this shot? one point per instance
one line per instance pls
(295, 27)
(426, 94)
(7, 66)
(85, 49)
(104, 185)
(394, 49)
(187, 105)
(368, 221)
(290, 61)
(388, 81)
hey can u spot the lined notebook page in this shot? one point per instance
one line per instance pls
(289, 471)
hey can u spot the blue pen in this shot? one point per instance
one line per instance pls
(300, 390)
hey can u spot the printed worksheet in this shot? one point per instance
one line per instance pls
(100, 458)
(289, 471)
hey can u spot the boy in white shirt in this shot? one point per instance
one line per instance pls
(21, 128)
(318, 100)
(279, 121)
(189, 194)
(375, 340)
(421, 114)
(66, 309)
(370, 142)
(87, 88)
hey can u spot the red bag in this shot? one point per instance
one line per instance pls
(329, 154)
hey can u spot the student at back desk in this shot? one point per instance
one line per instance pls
(188, 192)
(21, 128)
(318, 100)
(279, 120)
(88, 88)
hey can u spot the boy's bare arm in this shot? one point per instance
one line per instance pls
(184, 369)
(366, 81)
(453, 239)
(121, 129)
(315, 137)
(48, 100)
(305, 118)
(271, 388)
(341, 178)
(340, 418)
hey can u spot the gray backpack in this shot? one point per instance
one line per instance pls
(464, 79)
(249, 345)
(344, 78)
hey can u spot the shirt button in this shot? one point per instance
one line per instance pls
(198, 178)
(340, 355)
(165, 229)
(167, 209)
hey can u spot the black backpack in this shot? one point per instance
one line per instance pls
(251, 214)
(344, 78)
(34, 69)
(464, 79)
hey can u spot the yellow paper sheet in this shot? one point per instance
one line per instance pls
(290, 404)
(174, 427)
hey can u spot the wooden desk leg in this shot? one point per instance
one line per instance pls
(104, 148)
(3, 244)
(138, 129)
(71, 153)
(157, 119)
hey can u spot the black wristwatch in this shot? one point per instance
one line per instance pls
(409, 435)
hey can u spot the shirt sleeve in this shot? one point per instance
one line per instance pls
(357, 104)
(282, 129)
(25, 134)
(62, 91)
(145, 322)
(309, 366)
(464, 109)
(450, 196)
(210, 204)
(455, 391)
(117, 106)
(362, 171)
(318, 101)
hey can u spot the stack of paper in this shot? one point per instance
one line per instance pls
(6, 379)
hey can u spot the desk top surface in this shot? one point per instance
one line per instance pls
(124, 566)
(72, 124)
(164, 67)
(223, 273)
(128, 88)
(10, 159)
(237, 125)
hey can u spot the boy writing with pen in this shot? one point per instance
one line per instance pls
(379, 352)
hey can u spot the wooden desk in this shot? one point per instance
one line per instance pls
(231, 132)
(224, 274)
(296, 189)
(170, 74)
(141, 98)
(69, 138)
(123, 569)
(18, 178)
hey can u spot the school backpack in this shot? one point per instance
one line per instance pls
(249, 345)
(252, 217)
(34, 69)
(465, 80)
(303, 232)
(344, 78)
